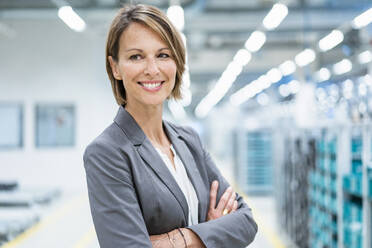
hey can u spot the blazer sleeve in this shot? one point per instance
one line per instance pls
(114, 205)
(237, 229)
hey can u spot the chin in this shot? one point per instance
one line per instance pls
(155, 103)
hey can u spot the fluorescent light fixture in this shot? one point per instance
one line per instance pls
(264, 82)
(342, 67)
(363, 19)
(255, 41)
(175, 13)
(218, 92)
(71, 19)
(323, 74)
(348, 85)
(362, 89)
(331, 40)
(287, 68)
(347, 90)
(242, 57)
(284, 90)
(275, 16)
(263, 99)
(274, 75)
(366, 79)
(233, 69)
(245, 93)
(365, 57)
(294, 86)
(305, 57)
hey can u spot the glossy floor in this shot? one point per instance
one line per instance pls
(67, 223)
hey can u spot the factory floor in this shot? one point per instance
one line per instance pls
(67, 223)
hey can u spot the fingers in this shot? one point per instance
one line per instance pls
(224, 199)
(235, 206)
(230, 203)
(213, 195)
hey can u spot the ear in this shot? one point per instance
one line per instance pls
(115, 68)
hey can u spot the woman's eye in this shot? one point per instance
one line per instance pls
(163, 55)
(135, 57)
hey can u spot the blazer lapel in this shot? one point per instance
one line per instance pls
(148, 153)
(191, 168)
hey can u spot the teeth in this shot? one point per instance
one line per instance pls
(151, 85)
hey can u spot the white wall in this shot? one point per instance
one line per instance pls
(47, 62)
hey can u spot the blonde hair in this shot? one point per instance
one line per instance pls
(158, 22)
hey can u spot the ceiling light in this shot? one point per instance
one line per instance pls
(363, 19)
(263, 99)
(294, 86)
(284, 90)
(73, 20)
(245, 93)
(305, 57)
(274, 75)
(342, 67)
(365, 57)
(367, 79)
(362, 89)
(287, 68)
(175, 13)
(347, 90)
(234, 68)
(255, 41)
(323, 74)
(265, 82)
(242, 57)
(275, 16)
(331, 40)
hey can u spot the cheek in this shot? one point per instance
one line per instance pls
(129, 72)
(172, 71)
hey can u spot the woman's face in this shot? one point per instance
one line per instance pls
(145, 65)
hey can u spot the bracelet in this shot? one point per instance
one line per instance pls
(170, 240)
(183, 236)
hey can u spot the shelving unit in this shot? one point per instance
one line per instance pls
(253, 160)
(339, 188)
(293, 201)
(323, 195)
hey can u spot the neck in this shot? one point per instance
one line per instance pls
(150, 119)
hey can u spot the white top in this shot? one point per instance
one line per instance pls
(180, 175)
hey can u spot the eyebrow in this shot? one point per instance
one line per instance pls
(140, 50)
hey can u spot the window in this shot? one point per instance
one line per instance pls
(11, 128)
(55, 125)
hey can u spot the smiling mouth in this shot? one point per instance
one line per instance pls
(151, 85)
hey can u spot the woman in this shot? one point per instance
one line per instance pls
(150, 182)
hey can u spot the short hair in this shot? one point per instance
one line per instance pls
(158, 22)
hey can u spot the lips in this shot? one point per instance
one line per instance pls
(151, 85)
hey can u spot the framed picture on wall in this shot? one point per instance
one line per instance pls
(11, 125)
(55, 125)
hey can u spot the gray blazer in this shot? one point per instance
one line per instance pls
(133, 195)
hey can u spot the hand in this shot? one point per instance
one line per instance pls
(160, 240)
(227, 203)
(175, 239)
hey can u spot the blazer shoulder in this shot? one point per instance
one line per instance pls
(108, 143)
(186, 132)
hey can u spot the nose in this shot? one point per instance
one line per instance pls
(151, 68)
